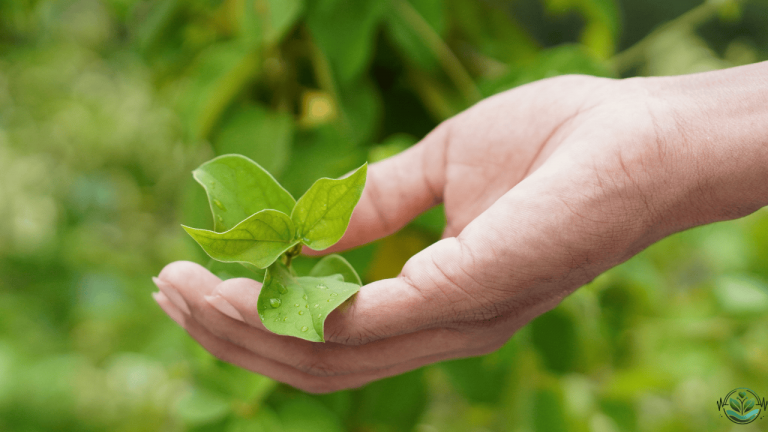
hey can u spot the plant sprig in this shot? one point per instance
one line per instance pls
(259, 224)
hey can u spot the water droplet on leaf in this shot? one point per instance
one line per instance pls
(317, 305)
(321, 286)
(301, 312)
(219, 205)
(282, 289)
(305, 328)
(333, 294)
(304, 296)
(275, 303)
(296, 304)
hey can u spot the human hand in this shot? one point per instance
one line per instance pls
(545, 187)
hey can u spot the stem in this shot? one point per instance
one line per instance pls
(691, 19)
(290, 253)
(451, 64)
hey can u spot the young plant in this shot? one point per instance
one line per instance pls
(257, 223)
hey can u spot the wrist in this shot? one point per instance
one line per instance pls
(717, 123)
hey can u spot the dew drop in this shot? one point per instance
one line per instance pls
(276, 319)
(296, 304)
(321, 286)
(329, 300)
(301, 312)
(317, 305)
(305, 328)
(282, 289)
(319, 315)
(306, 306)
(285, 319)
(220, 219)
(333, 294)
(219, 205)
(275, 303)
(304, 296)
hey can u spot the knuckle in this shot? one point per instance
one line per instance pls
(317, 366)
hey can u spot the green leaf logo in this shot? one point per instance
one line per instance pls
(252, 227)
(745, 406)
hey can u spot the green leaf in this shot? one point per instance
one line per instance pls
(736, 405)
(344, 32)
(261, 135)
(219, 75)
(322, 215)
(201, 407)
(333, 265)
(268, 21)
(748, 405)
(238, 187)
(259, 240)
(298, 306)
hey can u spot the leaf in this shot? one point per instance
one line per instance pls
(259, 240)
(238, 187)
(261, 135)
(748, 405)
(736, 405)
(322, 215)
(336, 264)
(344, 32)
(220, 74)
(298, 306)
(201, 407)
(268, 21)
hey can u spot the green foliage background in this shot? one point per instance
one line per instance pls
(106, 106)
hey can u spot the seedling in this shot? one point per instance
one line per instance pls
(257, 223)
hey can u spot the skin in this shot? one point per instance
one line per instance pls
(545, 187)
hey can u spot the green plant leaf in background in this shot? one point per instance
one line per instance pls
(219, 75)
(298, 306)
(262, 135)
(259, 240)
(238, 187)
(344, 32)
(334, 265)
(321, 216)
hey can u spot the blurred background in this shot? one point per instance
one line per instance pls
(106, 107)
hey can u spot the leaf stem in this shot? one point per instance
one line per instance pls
(451, 64)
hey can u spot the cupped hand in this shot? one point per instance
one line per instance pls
(545, 187)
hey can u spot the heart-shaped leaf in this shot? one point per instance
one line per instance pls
(334, 265)
(238, 187)
(298, 306)
(322, 215)
(258, 240)
(736, 405)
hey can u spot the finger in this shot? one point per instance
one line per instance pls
(397, 190)
(168, 307)
(329, 358)
(231, 353)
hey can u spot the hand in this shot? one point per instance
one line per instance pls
(545, 187)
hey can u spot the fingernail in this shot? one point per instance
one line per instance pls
(223, 306)
(172, 294)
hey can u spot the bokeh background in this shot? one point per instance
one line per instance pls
(106, 107)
